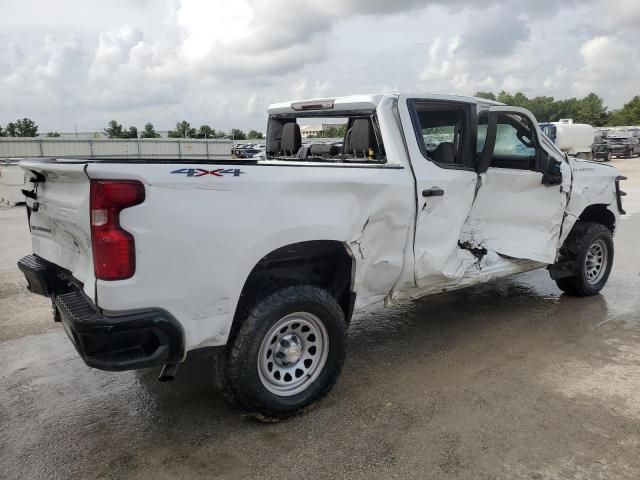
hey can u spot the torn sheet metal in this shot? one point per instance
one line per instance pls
(378, 266)
(516, 216)
(438, 257)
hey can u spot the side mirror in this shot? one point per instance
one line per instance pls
(551, 171)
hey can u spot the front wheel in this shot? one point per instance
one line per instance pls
(287, 354)
(590, 246)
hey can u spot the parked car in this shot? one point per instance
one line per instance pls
(624, 146)
(265, 261)
(245, 152)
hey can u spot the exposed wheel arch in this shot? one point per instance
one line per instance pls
(599, 213)
(324, 263)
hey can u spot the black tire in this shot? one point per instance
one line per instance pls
(242, 379)
(575, 248)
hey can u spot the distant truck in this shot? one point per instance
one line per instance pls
(624, 143)
(576, 139)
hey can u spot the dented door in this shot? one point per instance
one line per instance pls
(514, 214)
(444, 196)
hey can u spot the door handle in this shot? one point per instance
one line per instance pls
(433, 192)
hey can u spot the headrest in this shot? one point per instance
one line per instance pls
(444, 153)
(324, 150)
(291, 138)
(362, 137)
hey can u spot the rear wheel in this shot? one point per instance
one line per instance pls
(287, 354)
(590, 246)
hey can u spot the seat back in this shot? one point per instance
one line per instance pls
(444, 153)
(291, 139)
(361, 138)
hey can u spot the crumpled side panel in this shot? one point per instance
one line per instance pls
(438, 257)
(516, 216)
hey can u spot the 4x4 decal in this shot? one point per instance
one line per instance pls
(201, 172)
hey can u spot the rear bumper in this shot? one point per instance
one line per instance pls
(106, 340)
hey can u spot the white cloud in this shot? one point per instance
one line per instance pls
(609, 64)
(617, 15)
(222, 62)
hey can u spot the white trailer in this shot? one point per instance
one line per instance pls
(576, 139)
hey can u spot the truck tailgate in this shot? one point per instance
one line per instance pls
(59, 220)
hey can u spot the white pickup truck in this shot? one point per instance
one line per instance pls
(149, 261)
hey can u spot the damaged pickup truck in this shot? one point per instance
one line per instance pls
(147, 261)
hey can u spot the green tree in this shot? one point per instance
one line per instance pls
(238, 134)
(485, 95)
(205, 131)
(3, 133)
(566, 108)
(149, 132)
(254, 134)
(629, 114)
(505, 97)
(52, 134)
(12, 130)
(542, 108)
(183, 130)
(114, 130)
(25, 128)
(336, 131)
(591, 110)
(220, 134)
(132, 133)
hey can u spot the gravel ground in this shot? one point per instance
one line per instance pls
(506, 380)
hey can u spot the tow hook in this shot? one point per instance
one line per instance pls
(168, 372)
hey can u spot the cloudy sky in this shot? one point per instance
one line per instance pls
(221, 62)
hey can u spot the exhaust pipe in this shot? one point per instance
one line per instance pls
(168, 372)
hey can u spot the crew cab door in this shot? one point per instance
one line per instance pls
(440, 139)
(522, 195)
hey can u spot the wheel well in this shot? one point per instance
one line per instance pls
(323, 263)
(599, 214)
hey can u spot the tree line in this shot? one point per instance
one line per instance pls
(589, 109)
(183, 130)
(20, 128)
(336, 131)
(28, 128)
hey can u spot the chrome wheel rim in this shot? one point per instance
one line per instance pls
(293, 353)
(596, 262)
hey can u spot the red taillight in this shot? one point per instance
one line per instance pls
(114, 255)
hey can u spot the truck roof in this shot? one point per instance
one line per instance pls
(364, 102)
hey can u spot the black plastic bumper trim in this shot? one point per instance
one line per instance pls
(112, 341)
(620, 194)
